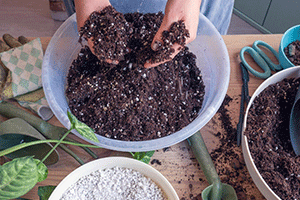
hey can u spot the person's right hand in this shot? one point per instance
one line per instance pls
(83, 10)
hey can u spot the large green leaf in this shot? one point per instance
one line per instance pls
(82, 128)
(42, 170)
(17, 177)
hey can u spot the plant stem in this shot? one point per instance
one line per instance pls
(71, 153)
(27, 144)
(56, 145)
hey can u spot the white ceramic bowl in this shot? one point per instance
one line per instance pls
(293, 72)
(111, 162)
(212, 59)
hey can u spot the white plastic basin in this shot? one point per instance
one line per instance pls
(212, 59)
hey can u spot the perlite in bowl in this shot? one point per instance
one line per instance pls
(117, 176)
(114, 183)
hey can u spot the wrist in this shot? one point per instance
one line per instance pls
(85, 7)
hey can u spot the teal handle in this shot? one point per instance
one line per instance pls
(202, 155)
(273, 66)
(259, 60)
(262, 60)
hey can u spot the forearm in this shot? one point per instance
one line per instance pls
(186, 10)
(85, 7)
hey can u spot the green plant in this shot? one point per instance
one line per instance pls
(20, 175)
(48, 130)
(143, 156)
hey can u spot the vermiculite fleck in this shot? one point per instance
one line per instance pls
(114, 184)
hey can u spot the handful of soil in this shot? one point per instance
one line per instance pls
(127, 101)
(268, 137)
(114, 35)
(109, 32)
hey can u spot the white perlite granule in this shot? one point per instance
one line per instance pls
(115, 183)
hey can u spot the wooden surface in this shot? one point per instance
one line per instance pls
(177, 163)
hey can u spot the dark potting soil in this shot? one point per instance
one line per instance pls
(114, 35)
(127, 101)
(268, 137)
(292, 52)
(228, 158)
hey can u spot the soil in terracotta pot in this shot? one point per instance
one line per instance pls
(268, 137)
(292, 52)
(127, 101)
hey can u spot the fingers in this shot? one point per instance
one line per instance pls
(150, 65)
(176, 11)
(157, 40)
(156, 44)
(91, 46)
(176, 47)
(168, 41)
(115, 62)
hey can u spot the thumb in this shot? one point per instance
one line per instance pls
(157, 41)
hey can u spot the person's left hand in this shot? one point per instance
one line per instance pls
(176, 10)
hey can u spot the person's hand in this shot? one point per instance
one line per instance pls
(83, 10)
(186, 10)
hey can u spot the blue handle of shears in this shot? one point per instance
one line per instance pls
(272, 65)
(263, 61)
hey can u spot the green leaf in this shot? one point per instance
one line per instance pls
(143, 156)
(82, 128)
(44, 192)
(42, 170)
(17, 177)
(138, 155)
